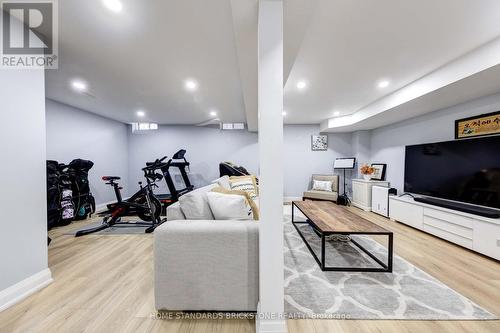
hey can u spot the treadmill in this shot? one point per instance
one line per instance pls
(179, 161)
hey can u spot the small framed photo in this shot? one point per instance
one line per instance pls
(379, 173)
(319, 142)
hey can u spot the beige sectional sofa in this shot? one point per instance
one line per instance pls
(205, 264)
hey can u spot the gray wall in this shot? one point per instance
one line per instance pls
(74, 133)
(388, 143)
(361, 147)
(206, 147)
(301, 162)
(23, 239)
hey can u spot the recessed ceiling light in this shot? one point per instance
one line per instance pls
(336, 113)
(191, 85)
(140, 113)
(113, 5)
(213, 113)
(383, 83)
(79, 85)
(283, 113)
(301, 85)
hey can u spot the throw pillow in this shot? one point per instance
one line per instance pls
(229, 206)
(245, 183)
(251, 203)
(321, 185)
(195, 205)
(223, 182)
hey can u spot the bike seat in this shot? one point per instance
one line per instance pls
(108, 178)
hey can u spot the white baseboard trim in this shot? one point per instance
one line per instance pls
(267, 325)
(24, 288)
(271, 326)
(290, 199)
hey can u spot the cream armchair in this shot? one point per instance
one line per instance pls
(324, 195)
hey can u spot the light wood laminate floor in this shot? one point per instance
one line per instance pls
(105, 284)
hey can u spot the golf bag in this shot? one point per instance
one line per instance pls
(83, 200)
(68, 192)
(60, 209)
(53, 194)
(66, 196)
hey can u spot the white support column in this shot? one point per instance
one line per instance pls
(270, 106)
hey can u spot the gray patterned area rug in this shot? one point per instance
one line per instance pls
(407, 293)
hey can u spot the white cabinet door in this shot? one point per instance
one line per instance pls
(486, 239)
(407, 213)
(360, 194)
(380, 200)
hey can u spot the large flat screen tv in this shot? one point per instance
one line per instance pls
(461, 170)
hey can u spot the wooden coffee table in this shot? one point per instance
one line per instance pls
(327, 218)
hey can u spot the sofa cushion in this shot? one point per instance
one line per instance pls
(223, 182)
(174, 212)
(321, 195)
(195, 205)
(245, 183)
(253, 203)
(229, 206)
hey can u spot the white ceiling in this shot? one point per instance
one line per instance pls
(139, 58)
(351, 44)
(478, 85)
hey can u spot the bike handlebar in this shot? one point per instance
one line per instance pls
(156, 164)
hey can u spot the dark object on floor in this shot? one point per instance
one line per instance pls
(53, 194)
(343, 200)
(230, 169)
(68, 192)
(83, 200)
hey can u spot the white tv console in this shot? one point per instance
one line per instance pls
(480, 234)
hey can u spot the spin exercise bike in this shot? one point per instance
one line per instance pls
(143, 203)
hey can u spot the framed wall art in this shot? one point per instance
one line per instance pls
(482, 125)
(319, 142)
(379, 173)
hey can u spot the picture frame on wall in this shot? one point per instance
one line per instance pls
(481, 125)
(319, 142)
(380, 169)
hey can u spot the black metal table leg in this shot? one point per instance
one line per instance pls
(323, 259)
(390, 249)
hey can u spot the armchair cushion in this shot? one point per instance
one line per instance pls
(321, 195)
(324, 195)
